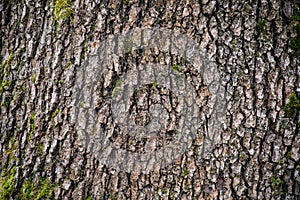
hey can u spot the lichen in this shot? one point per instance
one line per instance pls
(292, 107)
(28, 190)
(261, 27)
(62, 9)
(295, 42)
(125, 2)
(54, 114)
(34, 77)
(42, 190)
(6, 65)
(117, 86)
(31, 122)
(4, 84)
(154, 85)
(277, 183)
(177, 68)
(7, 183)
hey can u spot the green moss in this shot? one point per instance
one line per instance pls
(112, 197)
(292, 107)
(4, 84)
(184, 172)
(171, 194)
(42, 190)
(242, 156)
(31, 122)
(277, 183)
(62, 9)
(125, 2)
(15, 99)
(7, 183)
(12, 146)
(81, 104)
(117, 86)
(289, 154)
(6, 64)
(296, 16)
(34, 77)
(45, 192)
(177, 68)
(185, 187)
(7, 100)
(295, 42)
(154, 85)
(85, 44)
(54, 114)
(68, 65)
(128, 46)
(40, 149)
(27, 190)
(260, 27)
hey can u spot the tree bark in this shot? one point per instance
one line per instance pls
(45, 44)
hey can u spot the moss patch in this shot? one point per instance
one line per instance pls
(117, 86)
(31, 122)
(295, 42)
(277, 183)
(62, 9)
(292, 107)
(261, 27)
(42, 190)
(7, 183)
(6, 65)
(177, 68)
(28, 190)
(4, 84)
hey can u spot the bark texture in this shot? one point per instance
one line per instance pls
(44, 44)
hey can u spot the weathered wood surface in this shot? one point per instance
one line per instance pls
(42, 48)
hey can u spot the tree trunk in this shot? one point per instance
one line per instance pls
(46, 51)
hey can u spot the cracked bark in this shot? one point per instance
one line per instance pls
(258, 157)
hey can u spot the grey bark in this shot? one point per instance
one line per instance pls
(258, 157)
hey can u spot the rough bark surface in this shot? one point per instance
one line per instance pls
(44, 44)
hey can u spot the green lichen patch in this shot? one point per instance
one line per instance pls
(292, 107)
(12, 146)
(68, 65)
(4, 84)
(7, 100)
(7, 183)
(28, 190)
(34, 77)
(54, 114)
(62, 9)
(112, 197)
(42, 190)
(184, 172)
(277, 183)
(154, 85)
(295, 42)
(177, 68)
(117, 86)
(6, 65)
(31, 122)
(261, 27)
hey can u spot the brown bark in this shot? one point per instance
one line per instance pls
(42, 50)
